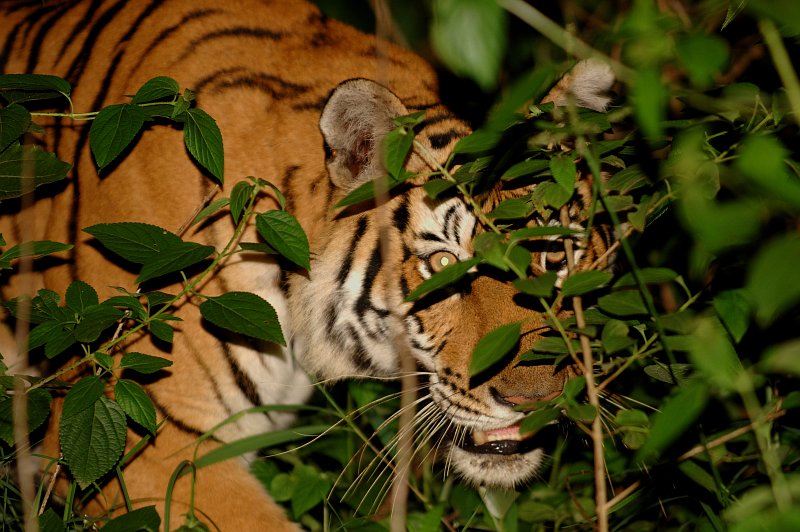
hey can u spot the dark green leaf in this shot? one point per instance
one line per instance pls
(94, 321)
(38, 410)
(211, 209)
(530, 233)
(14, 121)
(113, 130)
(493, 347)
(442, 278)
(134, 401)
(713, 354)
(80, 296)
(773, 282)
(49, 521)
(240, 195)
(564, 172)
(144, 363)
(648, 276)
(140, 520)
(92, 440)
(133, 241)
(649, 94)
(704, 57)
(83, 395)
(312, 488)
(44, 168)
(677, 414)
(35, 249)
(538, 419)
(396, 145)
(244, 313)
(580, 283)
(553, 194)
(283, 232)
(541, 286)
(161, 330)
(623, 303)
(204, 141)
(555, 344)
(366, 191)
(158, 88)
(480, 56)
(34, 82)
(681, 372)
(489, 246)
(173, 260)
(510, 209)
(530, 167)
(436, 187)
(615, 336)
(733, 309)
(479, 141)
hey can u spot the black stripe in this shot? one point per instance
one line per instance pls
(243, 381)
(151, 7)
(373, 268)
(286, 186)
(80, 26)
(81, 60)
(441, 140)
(27, 24)
(36, 45)
(448, 230)
(177, 423)
(347, 263)
(401, 216)
(359, 355)
(429, 121)
(236, 31)
(427, 235)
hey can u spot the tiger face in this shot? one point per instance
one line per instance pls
(369, 260)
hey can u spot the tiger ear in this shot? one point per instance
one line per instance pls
(586, 85)
(354, 122)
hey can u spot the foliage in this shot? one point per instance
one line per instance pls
(691, 338)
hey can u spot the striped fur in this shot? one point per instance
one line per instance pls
(265, 71)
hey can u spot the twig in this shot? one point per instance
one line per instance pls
(53, 478)
(622, 494)
(716, 442)
(197, 210)
(783, 64)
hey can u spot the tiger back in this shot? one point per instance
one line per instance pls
(275, 76)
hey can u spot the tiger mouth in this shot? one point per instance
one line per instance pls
(505, 441)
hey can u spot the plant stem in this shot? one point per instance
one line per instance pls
(783, 64)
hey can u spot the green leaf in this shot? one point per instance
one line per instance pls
(244, 313)
(38, 410)
(92, 440)
(531, 233)
(141, 520)
(580, 283)
(396, 145)
(479, 56)
(692, 470)
(773, 281)
(240, 195)
(623, 303)
(49, 521)
(713, 354)
(134, 401)
(677, 414)
(83, 395)
(45, 168)
(255, 443)
(650, 94)
(133, 241)
(283, 232)
(94, 321)
(436, 187)
(783, 359)
(161, 330)
(489, 246)
(80, 296)
(366, 191)
(541, 286)
(530, 167)
(442, 278)
(204, 141)
(144, 363)
(113, 130)
(555, 344)
(538, 419)
(35, 249)
(493, 347)
(158, 88)
(733, 309)
(34, 82)
(479, 141)
(312, 488)
(704, 56)
(173, 260)
(762, 158)
(681, 372)
(211, 209)
(564, 172)
(553, 194)
(510, 209)
(14, 121)
(615, 336)
(648, 276)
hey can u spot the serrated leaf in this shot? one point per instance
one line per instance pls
(141, 520)
(35, 249)
(34, 82)
(564, 172)
(158, 88)
(677, 414)
(493, 347)
(623, 303)
(478, 57)
(554, 194)
(142, 363)
(663, 373)
(239, 197)
(283, 232)
(80, 296)
(540, 286)
(615, 336)
(436, 187)
(510, 209)
(14, 182)
(312, 488)
(92, 440)
(366, 191)
(134, 401)
(94, 321)
(204, 141)
(442, 278)
(244, 313)
(396, 146)
(14, 121)
(580, 283)
(83, 395)
(173, 260)
(479, 141)
(211, 209)
(38, 410)
(161, 330)
(113, 130)
(133, 241)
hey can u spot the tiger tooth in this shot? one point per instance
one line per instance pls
(479, 437)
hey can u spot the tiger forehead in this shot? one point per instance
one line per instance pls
(448, 222)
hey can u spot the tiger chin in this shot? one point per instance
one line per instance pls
(292, 95)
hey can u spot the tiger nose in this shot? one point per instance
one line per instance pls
(519, 399)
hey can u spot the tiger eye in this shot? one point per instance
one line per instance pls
(441, 260)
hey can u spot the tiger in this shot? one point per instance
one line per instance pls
(304, 101)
